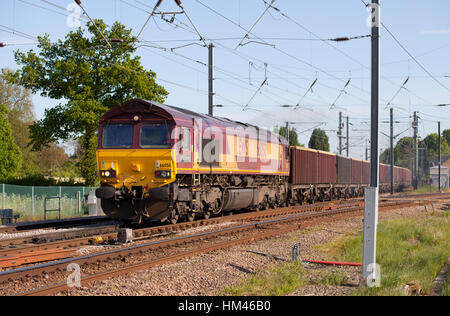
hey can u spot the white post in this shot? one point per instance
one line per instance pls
(3, 197)
(78, 203)
(370, 273)
(32, 201)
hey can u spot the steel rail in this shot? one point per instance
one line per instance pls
(27, 244)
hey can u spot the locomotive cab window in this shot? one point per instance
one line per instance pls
(155, 136)
(117, 136)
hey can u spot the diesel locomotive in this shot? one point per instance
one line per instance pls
(160, 162)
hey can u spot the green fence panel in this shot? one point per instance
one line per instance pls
(29, 202)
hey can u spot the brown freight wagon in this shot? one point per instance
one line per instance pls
(303, 165)
(311, 166)
(326, 172)
(365, 172)
(344, 170)
(398, 175)
(383, 170)
(357, 171)
(388, 174)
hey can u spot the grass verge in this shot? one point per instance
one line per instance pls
(446, 287)
(409, 251)
(276, 281)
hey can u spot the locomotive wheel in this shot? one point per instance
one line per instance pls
(173, 217)
(190, 216)
(206, 214)
(272, 203)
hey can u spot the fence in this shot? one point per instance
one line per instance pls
(28, 202)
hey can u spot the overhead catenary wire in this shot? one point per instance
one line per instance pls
(93, 22)
(333, 105)
(276, 48)
(409, 53)
(158, 3)
(228, 49)
(232, 51)
(253, 26)
(129, 4)
(307, 91)
(334, 47)
(183, 46)
(239, 54)
(395, 95)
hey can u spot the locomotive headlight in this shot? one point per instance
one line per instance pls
(162, 174)
(108, 173)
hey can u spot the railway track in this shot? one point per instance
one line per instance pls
(55, 224)
(168, 250)
(14, 246)
(436, 196)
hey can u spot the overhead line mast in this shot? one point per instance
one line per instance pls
(370, 272)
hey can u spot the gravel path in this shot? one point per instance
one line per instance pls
(209, 274)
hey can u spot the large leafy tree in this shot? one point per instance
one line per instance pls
(10, 155)
(446, 135)
(89, 78)
(20, 116)
(319, 140)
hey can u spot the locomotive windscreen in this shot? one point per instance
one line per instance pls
(117, 136)
(155, 136)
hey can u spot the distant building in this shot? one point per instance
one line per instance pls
(434, 176)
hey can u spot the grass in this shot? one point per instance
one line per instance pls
(446, 287)
(22, 205)
(427, 189)
(409, 251)
(276, 281)
(334, 278)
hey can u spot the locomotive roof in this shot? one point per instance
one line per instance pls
(179, 115)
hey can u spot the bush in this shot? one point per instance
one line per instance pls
(41, 180)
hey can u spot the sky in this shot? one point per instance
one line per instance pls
(288, 49)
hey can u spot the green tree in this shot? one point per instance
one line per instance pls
(92, 78)
(446, 135)
(319, 140)
(19, 103)
(293, 136)
(431, 145)
(404, 153)
(10, 155)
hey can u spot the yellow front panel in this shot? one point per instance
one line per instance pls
(136, 167)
